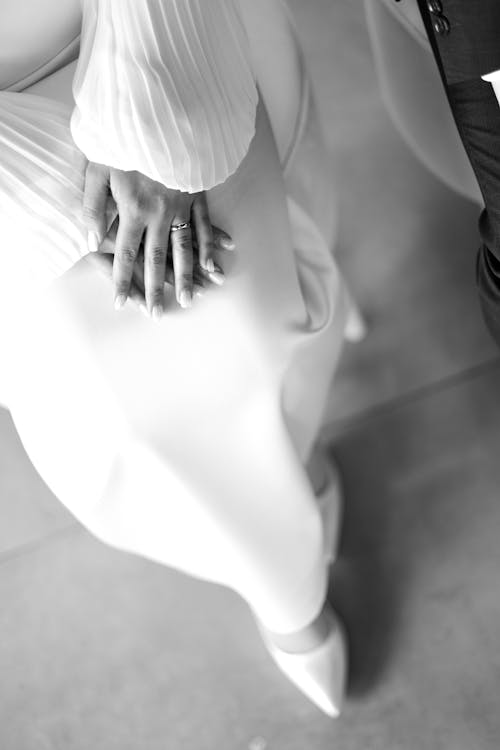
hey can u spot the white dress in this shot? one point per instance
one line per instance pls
(183, 441)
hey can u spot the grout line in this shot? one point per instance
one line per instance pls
(29, 547)
(348, 424)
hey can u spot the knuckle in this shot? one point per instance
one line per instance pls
(135, 206)
(127, 256)
(135, 210)
(184, 243)
(157, 256)
(91, 213)
(161, 201)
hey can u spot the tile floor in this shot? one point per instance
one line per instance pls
(101, 650)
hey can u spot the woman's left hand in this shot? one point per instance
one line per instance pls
(103, 261)
(159, 217)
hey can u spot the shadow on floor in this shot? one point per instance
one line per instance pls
(363, 589)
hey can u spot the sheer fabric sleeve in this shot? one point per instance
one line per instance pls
(165, 87)
(41, 190)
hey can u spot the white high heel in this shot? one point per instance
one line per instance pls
(319, 673)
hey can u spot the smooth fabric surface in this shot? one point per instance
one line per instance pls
(32, 44)
(414, 95)
(185, 441)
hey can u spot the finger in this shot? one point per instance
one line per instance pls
(155, 265)
(198, 278)
(95, 198)
(222, 240)
(199, 281)
(136, 294)
(216, 277)
(182, 257)
(138, 275)
(104, 264)
(128, 240)
(203, 232)
(169, 271)
(108, 243)
(198, 291)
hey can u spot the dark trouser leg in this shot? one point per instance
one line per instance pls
(477, 114)
(488, 282)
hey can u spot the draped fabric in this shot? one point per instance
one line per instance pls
(41, 189)
(165, 88)
(182, 441)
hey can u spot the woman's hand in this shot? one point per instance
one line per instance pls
(202, 279)
(161, 219)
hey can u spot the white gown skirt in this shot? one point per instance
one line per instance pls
(185, 440)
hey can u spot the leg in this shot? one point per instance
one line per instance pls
(196, 461)
(477, 114)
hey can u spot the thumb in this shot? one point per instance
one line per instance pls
(95, 198)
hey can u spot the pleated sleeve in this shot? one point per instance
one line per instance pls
(41, 190)
(165, 87)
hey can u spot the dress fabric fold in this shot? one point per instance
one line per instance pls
(41, 188)
(185, 441)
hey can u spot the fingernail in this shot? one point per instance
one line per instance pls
(157, 313)
(120, 301)
(227, 244)
(144, 310)
(210, 265)
(217, 277)
(185, 299)
(93, 242)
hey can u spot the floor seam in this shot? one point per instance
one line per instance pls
(348, 424)
(36, 544)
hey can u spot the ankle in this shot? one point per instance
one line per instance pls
(306, 639)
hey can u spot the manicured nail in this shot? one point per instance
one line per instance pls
(185, 299)
(120, 301)
(217, 277)
(93, 242)
(227, 244)
(144, 310)
(210, 265)
(157, 313)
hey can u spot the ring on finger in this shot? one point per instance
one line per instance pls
(182, 225)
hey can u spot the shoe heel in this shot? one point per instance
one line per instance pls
(320, 674)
